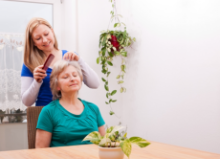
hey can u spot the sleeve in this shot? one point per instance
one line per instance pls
(100, 120)
(29, 87)
(29, 90)
(26, 72)
(90, 77)
(45, 121)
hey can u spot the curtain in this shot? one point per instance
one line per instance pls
(11, 60)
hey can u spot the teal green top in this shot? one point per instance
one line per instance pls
(67, 128)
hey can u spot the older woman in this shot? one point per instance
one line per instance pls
(67, 119)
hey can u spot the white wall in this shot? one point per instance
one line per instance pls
(173, 79)
(13, 136)
(174, 72)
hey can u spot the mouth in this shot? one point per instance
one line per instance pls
(74, 84)
(47, 44)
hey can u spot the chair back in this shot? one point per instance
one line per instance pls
(32, 117)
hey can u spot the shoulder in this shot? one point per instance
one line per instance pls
(90, 105)
(50, 108)
(64, 52)
(25, 71)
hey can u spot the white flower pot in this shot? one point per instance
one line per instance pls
(110, 153)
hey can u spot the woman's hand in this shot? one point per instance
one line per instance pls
(71, 56)
(39, 73)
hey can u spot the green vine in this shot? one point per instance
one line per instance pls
(110, 49)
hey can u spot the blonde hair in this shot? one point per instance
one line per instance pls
(58, 68)
(33, 56)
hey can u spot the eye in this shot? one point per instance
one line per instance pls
(38, 38)
(47, 34)
(65, 77)
(74, 75)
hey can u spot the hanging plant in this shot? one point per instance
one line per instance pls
(113, 43)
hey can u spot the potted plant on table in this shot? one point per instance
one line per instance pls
(115, 144)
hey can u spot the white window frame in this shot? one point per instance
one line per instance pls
(56, 15)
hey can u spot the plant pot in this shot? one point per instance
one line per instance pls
(114, 42)
(110, 153)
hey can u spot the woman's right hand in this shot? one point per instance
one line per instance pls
(39, 73)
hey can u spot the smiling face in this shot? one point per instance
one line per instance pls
(69, 80)
(43, 38)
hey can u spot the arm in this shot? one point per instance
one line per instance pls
(29, 90)
(31, 83)
(43, 139)
(102, 130)
(90, 77)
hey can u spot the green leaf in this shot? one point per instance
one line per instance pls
(104, 141)
(106, 102)
(124, 54)
(134, 39)
(104, 71)
(123, 23)
(117, 53)
(109, 62)
(122, 89)
(120, 15)
(112, 137)
(109, 50)
(116, 128)
(97, 60)
(113, 5)
(110, 100)
(107, 95)
(110, 129)
(111, 113)
(125, 135)
(139, 141)
(110, 54)
(126, 147)
(103, 51)
(108, 73)
(103, 79)
(120, 82)
(123, 67)
(113, 92)
(114, 101)
(106, 87)
(118, 77)
(115, 25)
(93, 137)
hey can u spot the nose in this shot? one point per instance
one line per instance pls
(71, 78)
(44, 39)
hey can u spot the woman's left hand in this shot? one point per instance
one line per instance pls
(71, 56)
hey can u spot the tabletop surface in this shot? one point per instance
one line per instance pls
(153, 151)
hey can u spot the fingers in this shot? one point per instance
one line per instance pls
(71, 56)
(39, 70)
(39, 73)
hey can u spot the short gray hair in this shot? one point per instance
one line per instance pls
(58, 67)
